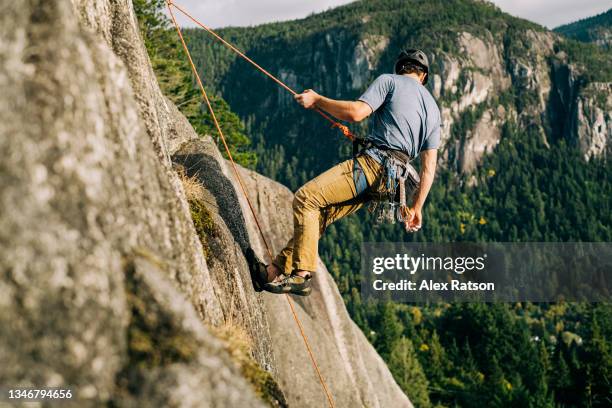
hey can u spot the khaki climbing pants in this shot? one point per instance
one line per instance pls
(323, 200)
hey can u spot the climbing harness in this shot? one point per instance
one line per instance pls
(170, 4)
(399, 177)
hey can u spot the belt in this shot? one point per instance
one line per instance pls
(361, 146)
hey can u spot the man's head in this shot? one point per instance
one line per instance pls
(412, 61)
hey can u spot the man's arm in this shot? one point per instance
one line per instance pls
(350, 111)
(428, 171)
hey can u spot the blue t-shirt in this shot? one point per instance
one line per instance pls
(406, 116)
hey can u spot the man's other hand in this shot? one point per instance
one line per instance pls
(413, 220)
(308, 99)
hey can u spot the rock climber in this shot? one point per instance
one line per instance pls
(406, 123)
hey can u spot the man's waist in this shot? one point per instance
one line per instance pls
(380, 152)
(377, 143)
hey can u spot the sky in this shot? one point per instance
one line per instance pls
(221, 13)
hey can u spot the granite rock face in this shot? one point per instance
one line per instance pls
(105, 285)
(593, 118)
(87, 190)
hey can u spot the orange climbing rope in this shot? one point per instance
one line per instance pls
(169, 4)
(343, 128)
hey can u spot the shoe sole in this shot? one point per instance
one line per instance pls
(277, 292)
(303, 292)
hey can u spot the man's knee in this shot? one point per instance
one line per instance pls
(303, 198)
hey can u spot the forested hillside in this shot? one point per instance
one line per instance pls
(596, 29)
(540, 105)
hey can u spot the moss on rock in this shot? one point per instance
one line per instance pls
(204, 224)
(237, 344)
(202, 219)
(153, 338)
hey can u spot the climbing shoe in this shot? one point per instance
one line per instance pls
(259, 273)
(293, 284)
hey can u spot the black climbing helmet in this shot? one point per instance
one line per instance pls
(415, 56)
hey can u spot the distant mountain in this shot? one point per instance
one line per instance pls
(596, 29)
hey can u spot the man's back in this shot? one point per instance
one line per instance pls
(406, 116)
